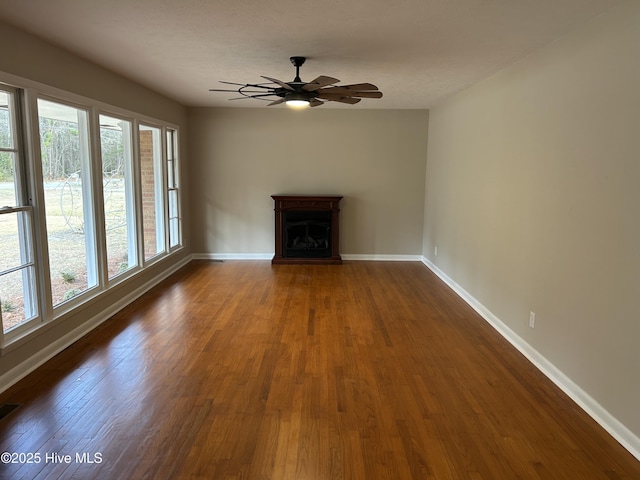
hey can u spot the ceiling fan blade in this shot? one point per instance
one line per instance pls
(319, 82)
(335, 91)
(279, 82)
(236, 91)
(366, 94)
(360, 86)
(254, 96)
(330, 96)
(345, 92)
(349, 100)
(232, 83)
(276, 102)
(315, 102)
(259, 85)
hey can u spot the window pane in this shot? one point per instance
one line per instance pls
(171, 178)
(14, 303)
(117, 184)
(6, 129)
(172, 182)
(17, 287)
(152, 191)
(173, 203)
(174, 231)
(11, 236)
(10, 242)
(7, 152)
(65, 168)
(174, 221)
(7, 180)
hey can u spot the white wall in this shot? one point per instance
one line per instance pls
(374, 158)
(532, 199)
(29, 57)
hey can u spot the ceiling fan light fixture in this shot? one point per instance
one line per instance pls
(297, 103)
(297, 100)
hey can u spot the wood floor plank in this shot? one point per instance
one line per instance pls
(244, 370)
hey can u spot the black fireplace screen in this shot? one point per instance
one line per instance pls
(307, 234)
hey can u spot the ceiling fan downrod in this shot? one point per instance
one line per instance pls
(297, 62)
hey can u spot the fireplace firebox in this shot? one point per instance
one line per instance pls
(306, 229)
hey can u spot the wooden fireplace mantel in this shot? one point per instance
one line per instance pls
(308, 203)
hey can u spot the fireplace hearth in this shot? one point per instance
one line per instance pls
(306, 229)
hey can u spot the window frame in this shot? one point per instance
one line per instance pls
(173, 173)
(26, 230)
(91, 197)
(160, 198)
(132, 192)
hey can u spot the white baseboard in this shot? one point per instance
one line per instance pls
(20, 371)
(616, 429)
(381, 257)
(232, 256)
(269, 256)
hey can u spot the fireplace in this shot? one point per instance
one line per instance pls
(307, 229)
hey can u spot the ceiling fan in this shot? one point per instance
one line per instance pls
(302, 94)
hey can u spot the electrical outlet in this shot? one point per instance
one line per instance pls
(435, 251)
(532, 319)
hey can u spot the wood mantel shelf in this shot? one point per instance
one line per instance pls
(314, 205)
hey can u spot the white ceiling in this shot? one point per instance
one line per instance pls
(416, 51)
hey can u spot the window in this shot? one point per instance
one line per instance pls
(18, 302)
(118, 194)
(87, 199)
(173, 192)
(152, 187)
(66, 181)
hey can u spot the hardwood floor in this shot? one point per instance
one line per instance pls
(243, 370)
